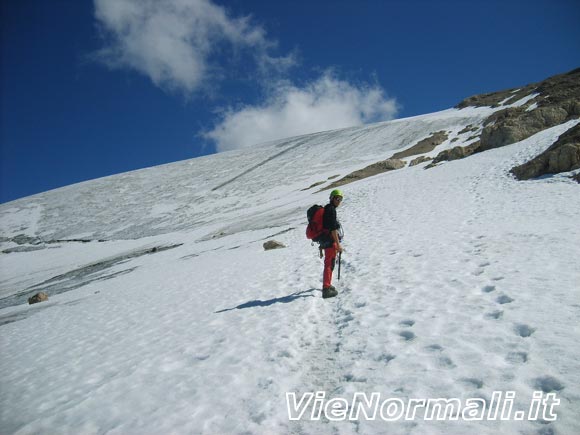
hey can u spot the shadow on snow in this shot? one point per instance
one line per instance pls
(283, 300)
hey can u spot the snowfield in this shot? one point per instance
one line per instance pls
(456, 282)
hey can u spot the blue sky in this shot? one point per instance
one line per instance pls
(89, 89)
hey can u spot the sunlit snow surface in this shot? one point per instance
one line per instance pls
(456, 282)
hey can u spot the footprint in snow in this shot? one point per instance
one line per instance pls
(284, 354)
(524, 330)
(407, 335)
(504, 299)
(446, 362)
(517, 357)
(385, 357)
(352, 378)
(481, 268)
(548, 384)
(434, 348)
(407, 322)
(488, 289)
(496, 315)
(472, 382)
(546, 430)
(345, 320)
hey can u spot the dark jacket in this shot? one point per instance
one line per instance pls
(329, 221)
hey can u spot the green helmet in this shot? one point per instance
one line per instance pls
(336, 192)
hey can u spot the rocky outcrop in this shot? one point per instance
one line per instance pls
(457, 153)
(318, 183)
(557, 90)
(562, 156)
(469, 129)
(454, 153)
(553, 101)
(558, 101)
(423, 146)
(497, 99)
(420, 160)
(515, 124)
(23, 239)
(369, 171)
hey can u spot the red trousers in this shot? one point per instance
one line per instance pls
(329, 262)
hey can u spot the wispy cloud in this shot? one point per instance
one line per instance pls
(325, 104)
(187, 45)
(174, 42)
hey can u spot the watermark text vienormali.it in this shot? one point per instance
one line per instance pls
(315, 405)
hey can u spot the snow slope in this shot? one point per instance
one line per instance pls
(457, 281)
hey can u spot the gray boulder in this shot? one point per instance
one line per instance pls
(273, 244)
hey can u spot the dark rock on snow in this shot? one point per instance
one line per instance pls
(369, 171)
(423, 146)
(419, 160)
(455, 153)
(273, 244)
(38, 297)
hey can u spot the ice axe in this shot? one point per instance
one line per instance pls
(339, 258)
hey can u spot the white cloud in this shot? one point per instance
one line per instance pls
(326, 104)
(173, 41)
(187, 45)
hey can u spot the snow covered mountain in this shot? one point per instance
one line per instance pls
(166, 315)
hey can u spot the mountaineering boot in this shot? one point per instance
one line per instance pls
(329, 292)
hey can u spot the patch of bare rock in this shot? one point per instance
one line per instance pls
(562, 156)
(455, 153)
(369, 171)
(423, 146)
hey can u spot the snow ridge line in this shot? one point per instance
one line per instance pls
(262, 163)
